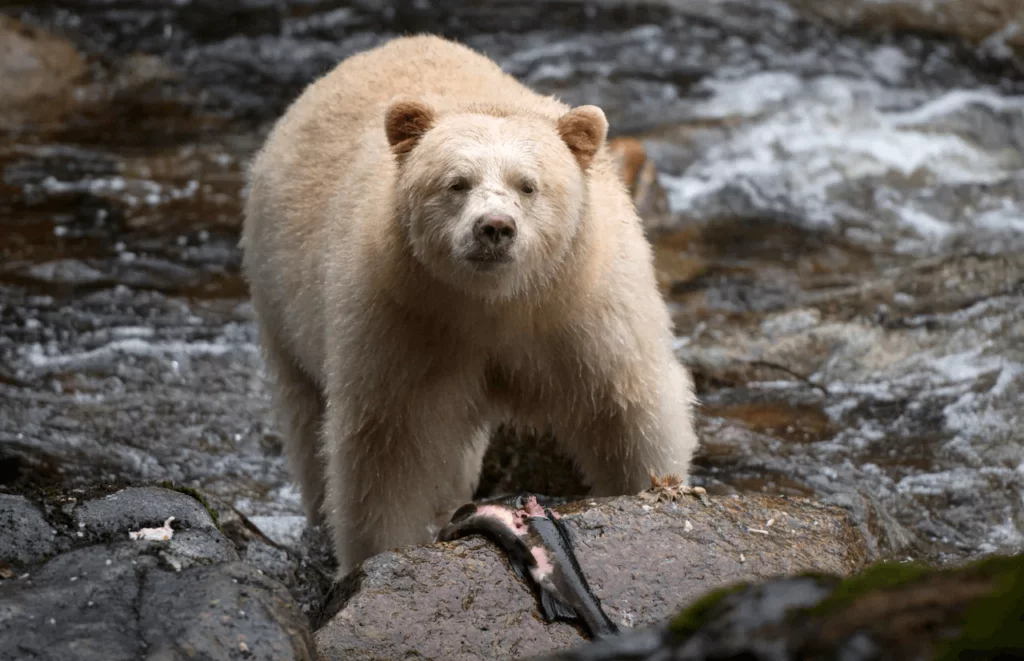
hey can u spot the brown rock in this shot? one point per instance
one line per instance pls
(460, 600)
(998, 24)
(37, 72)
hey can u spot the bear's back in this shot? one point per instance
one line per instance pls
(447, 74)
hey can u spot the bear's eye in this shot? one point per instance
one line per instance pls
(527, 187)
(459, 185)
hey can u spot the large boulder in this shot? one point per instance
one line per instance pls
(890, 611)
(643, 558)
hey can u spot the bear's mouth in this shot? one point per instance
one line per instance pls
(486, 260)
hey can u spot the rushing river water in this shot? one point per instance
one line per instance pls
(843, 243)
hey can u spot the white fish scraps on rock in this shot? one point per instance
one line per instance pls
(160, 534)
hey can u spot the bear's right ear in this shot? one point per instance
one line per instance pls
(405, 122)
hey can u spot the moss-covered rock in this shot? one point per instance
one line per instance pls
(888, 611)
(195, 493)
(692, 618)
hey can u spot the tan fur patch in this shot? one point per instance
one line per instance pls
(583, 129)
(405, 123)
(631, 156)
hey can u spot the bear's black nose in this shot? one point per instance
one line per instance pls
(495, 231)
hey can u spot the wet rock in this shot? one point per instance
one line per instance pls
(130, 509)
(269, 559)
(460, 600)
(104, 596)
(890, 611)
(76, 607)
(307, 569)
(27, 537)
(218, 611)
(913, 407)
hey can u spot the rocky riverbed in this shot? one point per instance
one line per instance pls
(839, 227)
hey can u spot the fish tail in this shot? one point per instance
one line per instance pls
(598, 622)
(553, 607)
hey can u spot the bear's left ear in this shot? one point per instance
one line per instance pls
(583, 129)
(405, 122)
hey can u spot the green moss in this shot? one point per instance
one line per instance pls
(189, 491)
(687, 622)
(820, 576)
(880, 576)
(993, 625)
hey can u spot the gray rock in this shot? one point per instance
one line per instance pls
(460, 600)
(192, 547)
(187, 597)
(271, 560)
(133, 508)
(77, 607)
(221, 611)
(27, 537)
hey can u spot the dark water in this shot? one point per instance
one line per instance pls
(844, 248)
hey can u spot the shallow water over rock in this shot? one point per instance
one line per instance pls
(843, 247)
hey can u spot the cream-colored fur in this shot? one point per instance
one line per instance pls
(392, 355)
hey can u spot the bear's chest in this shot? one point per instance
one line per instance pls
(528, 376)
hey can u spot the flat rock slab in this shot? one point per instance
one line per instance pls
(460, 600)
(84, 591)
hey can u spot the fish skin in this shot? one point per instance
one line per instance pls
(567, 580)
(460, 524)
(539, 548)
(468, 520)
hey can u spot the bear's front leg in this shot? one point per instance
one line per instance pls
(390, 480)
(636, 421)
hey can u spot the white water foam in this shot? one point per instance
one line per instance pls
(802, 140)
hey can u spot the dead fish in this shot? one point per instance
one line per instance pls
(564, 587)
(539, 549)
(502, 521)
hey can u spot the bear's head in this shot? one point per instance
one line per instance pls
(492, 202)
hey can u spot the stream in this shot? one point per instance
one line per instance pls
(842, 241)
